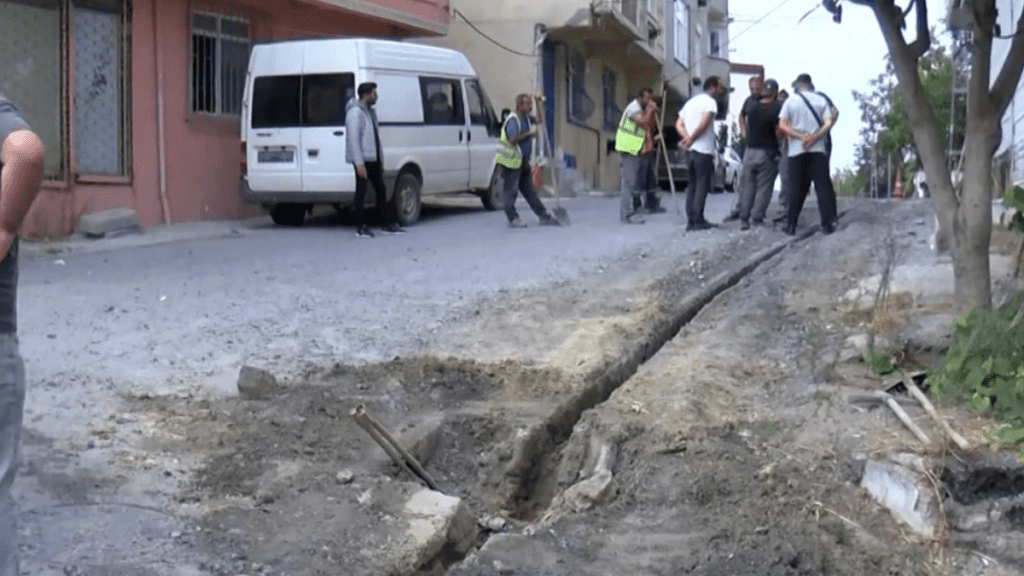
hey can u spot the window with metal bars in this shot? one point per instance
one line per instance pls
(220, 56)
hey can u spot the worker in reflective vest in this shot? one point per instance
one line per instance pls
(635, 144)
(513, 157)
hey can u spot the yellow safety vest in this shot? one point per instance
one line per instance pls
(509, 154)
(629, 138)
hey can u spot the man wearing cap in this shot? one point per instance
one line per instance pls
(760, 161)
(695, 126)
(806, 118)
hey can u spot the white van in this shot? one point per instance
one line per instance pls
(438, 130)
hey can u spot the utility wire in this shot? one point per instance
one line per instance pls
(493, 41)
(759, 20)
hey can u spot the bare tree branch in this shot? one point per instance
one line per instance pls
(1009, 76)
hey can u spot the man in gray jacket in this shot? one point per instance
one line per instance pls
(21, 171)
(363, 151)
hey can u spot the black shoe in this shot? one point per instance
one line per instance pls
(780, 219)
(549, 221)
(698, 226)
(744, 225)
(657, 210)
(758, 221)
(394, 229)
(790, 230)
(828, 229)
(733, 216)
(363, 232)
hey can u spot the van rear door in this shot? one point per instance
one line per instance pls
(273, 134)
(323, 136)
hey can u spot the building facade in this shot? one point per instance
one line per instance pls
(137, 101)
(588, 57)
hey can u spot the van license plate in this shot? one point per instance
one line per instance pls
(276, 156)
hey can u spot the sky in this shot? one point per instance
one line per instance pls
(839, 57)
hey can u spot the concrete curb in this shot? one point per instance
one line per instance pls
(602, 381)
(138, 237)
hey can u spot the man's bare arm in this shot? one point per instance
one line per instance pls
(22, 157)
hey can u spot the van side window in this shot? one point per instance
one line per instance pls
(442, 101)
(324, 97)
(275, 102)
(480, 111)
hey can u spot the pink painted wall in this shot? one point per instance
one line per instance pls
(202, 152)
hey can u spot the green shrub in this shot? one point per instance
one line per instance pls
(985, 364)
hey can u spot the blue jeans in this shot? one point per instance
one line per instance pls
(12, 401)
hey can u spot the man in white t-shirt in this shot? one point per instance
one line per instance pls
(806, 118)
(695, 126)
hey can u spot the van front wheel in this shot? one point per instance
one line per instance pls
(491, 197)
(407, 199)
(288, 214)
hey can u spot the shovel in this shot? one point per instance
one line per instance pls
(559, 213)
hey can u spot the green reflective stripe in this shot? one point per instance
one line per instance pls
(509, 155)
(629, 138)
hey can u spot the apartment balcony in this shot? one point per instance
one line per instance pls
(718, 9)
(623, 27)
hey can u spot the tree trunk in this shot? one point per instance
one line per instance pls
(929, 142)
(972, 229)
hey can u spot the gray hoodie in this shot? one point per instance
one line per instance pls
(360, 137)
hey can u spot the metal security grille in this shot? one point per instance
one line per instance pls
(32, 61)
(64, 65)
(220, 55)
(100, 88)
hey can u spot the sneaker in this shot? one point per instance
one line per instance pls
(632, 219)
(657, 210)
(732, 217)
(394, 229)
(517, 223)
(744, 225)
(549, 221)
(363, 232)
(780, 219)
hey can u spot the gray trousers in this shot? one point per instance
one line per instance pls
(760, 168)
(519, 181)
(12, 401)
(629, 184)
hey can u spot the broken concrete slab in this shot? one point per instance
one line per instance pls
(256, 384)
(898, 483)
(435, 523)
(104, 222)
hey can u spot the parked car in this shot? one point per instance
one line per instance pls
(731, 166)
(437, 127)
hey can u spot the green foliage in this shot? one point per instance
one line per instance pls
(1014, 198)
(984, 365)
(849, 183)
(879, 361)
(886, 129)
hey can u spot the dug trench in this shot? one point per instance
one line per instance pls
(708, 434)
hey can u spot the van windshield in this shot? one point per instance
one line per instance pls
(292, 101)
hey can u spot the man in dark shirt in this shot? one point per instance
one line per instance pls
(761, 160)
(756, 85)
(21, 170)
